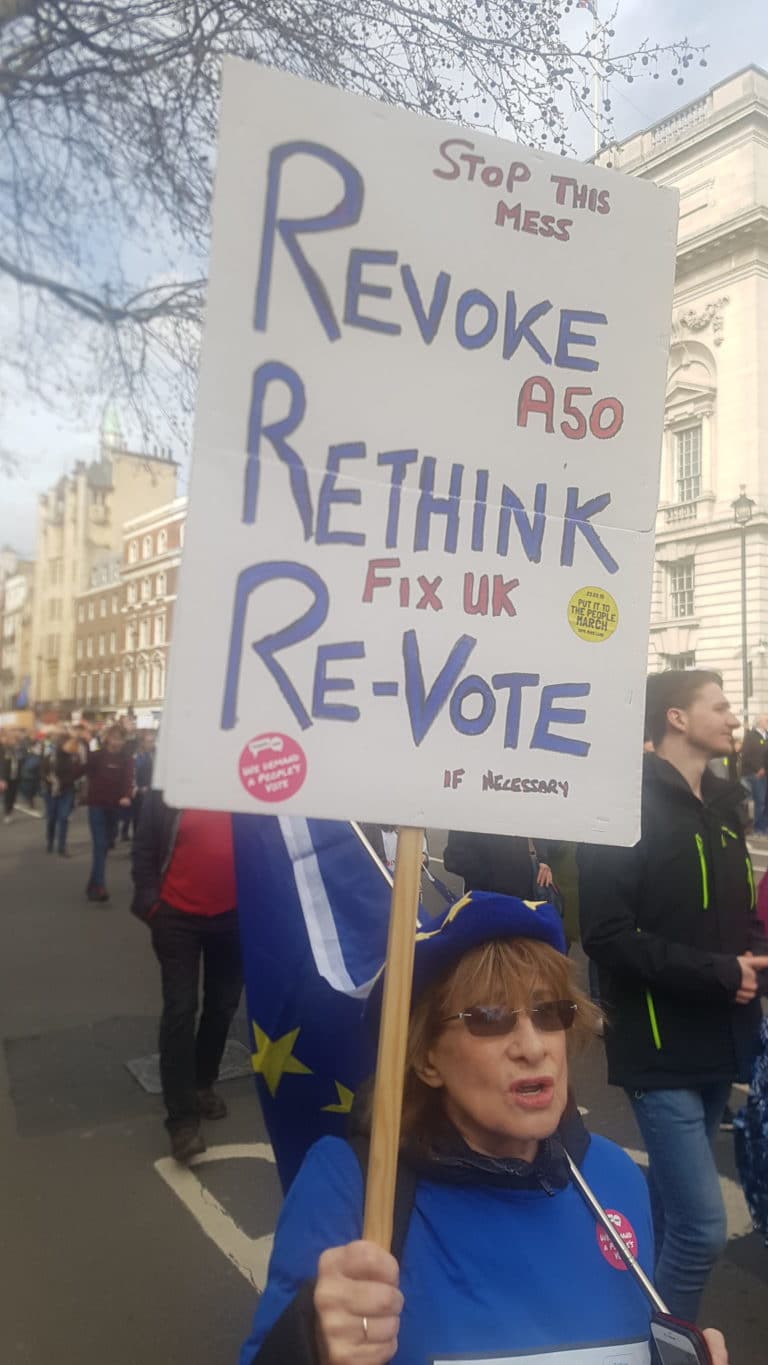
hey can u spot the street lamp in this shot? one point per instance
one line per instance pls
(743, 508)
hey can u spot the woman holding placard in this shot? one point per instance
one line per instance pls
(499, 1254)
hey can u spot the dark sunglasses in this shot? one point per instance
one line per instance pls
(493, 1021)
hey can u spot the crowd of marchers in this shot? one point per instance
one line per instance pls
(491, 1130)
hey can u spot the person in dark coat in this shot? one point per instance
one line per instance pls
(110, 791)
(61, 770)
(11, 760)
(754, 759)
(184, 889)
(506, 863)
(672, 928)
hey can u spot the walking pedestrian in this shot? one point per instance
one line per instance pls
(754, 756)
(110, 791)
(671, 925)
(184, 880)
(506, 863)
(60, 772)
(11, 759)
(143, 765)
(31, 772)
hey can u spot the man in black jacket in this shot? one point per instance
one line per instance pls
(671, 925)
(754, 754)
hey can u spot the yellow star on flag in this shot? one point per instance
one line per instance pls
(273, 1059)
(344, 1105)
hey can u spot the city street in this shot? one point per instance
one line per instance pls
(111, 1255)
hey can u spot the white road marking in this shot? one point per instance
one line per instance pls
(24, 810)
(249, 1255)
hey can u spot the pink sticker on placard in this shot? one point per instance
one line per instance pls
(627, 1235)
(272, 767)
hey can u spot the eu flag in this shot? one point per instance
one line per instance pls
(314, 911)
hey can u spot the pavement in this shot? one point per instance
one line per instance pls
(111, 1254)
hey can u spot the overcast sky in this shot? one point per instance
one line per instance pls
(737, 33)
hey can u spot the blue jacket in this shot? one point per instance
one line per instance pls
(484, 1270)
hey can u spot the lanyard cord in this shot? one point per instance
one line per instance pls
(626, 1255)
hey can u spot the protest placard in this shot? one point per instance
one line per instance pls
(418, 558)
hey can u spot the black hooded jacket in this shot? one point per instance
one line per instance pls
(665, 922)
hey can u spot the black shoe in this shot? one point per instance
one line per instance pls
(49, 848)
(211, 1105)
(125, 839)
(726, 1122)
(97, 893)
(187, 1141)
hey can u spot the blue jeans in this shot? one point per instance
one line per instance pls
(102, 821)
(678, 1128)
(57, 812)
(757, 787)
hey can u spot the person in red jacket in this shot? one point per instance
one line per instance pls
(110, 790)
(184, 879)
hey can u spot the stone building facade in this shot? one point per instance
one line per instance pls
(151, 555)
(80, 526)
(715, 152)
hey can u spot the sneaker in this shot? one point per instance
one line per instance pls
(187, 1141)
(726, 1122)
(97, 893)
(211, 1105)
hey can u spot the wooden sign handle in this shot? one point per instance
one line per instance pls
(393, 1035)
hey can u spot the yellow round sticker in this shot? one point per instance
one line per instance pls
(593, 614)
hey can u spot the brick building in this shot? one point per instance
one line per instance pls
(98, 664)
(152, 546)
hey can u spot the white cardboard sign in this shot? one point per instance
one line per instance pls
(418, 556)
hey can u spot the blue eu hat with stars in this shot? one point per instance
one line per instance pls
(479, 917)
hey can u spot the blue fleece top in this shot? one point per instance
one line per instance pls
(484, 1270)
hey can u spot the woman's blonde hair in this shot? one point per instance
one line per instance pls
(507, 972)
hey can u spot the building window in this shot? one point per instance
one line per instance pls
(688, 464)
(103, 687)
(112, 641)
(102, 643)
(162, 542)
(113, 689)
(133, 552)
(79, 650)
(83, 690)
(146, 589)
(131, 594)
(127, 683)
(158, 678)
(89, 647)
(159, 630)
(679, 661)
(681, 588)
(81, 613)
(160, 585)
(103, 607)
(143, 632)
(142, 680)
(130, 637)
(91, 611)
(146, 547)
(115, 604)
(94, 687)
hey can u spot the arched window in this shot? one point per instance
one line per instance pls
(160, 585)
(130, 636)
(142, 679)
(133, 551)
(128, 681)
(146, 589)
(162, 542)
(144, 632)
(131, 594)
(146, 547)
(158, 677)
